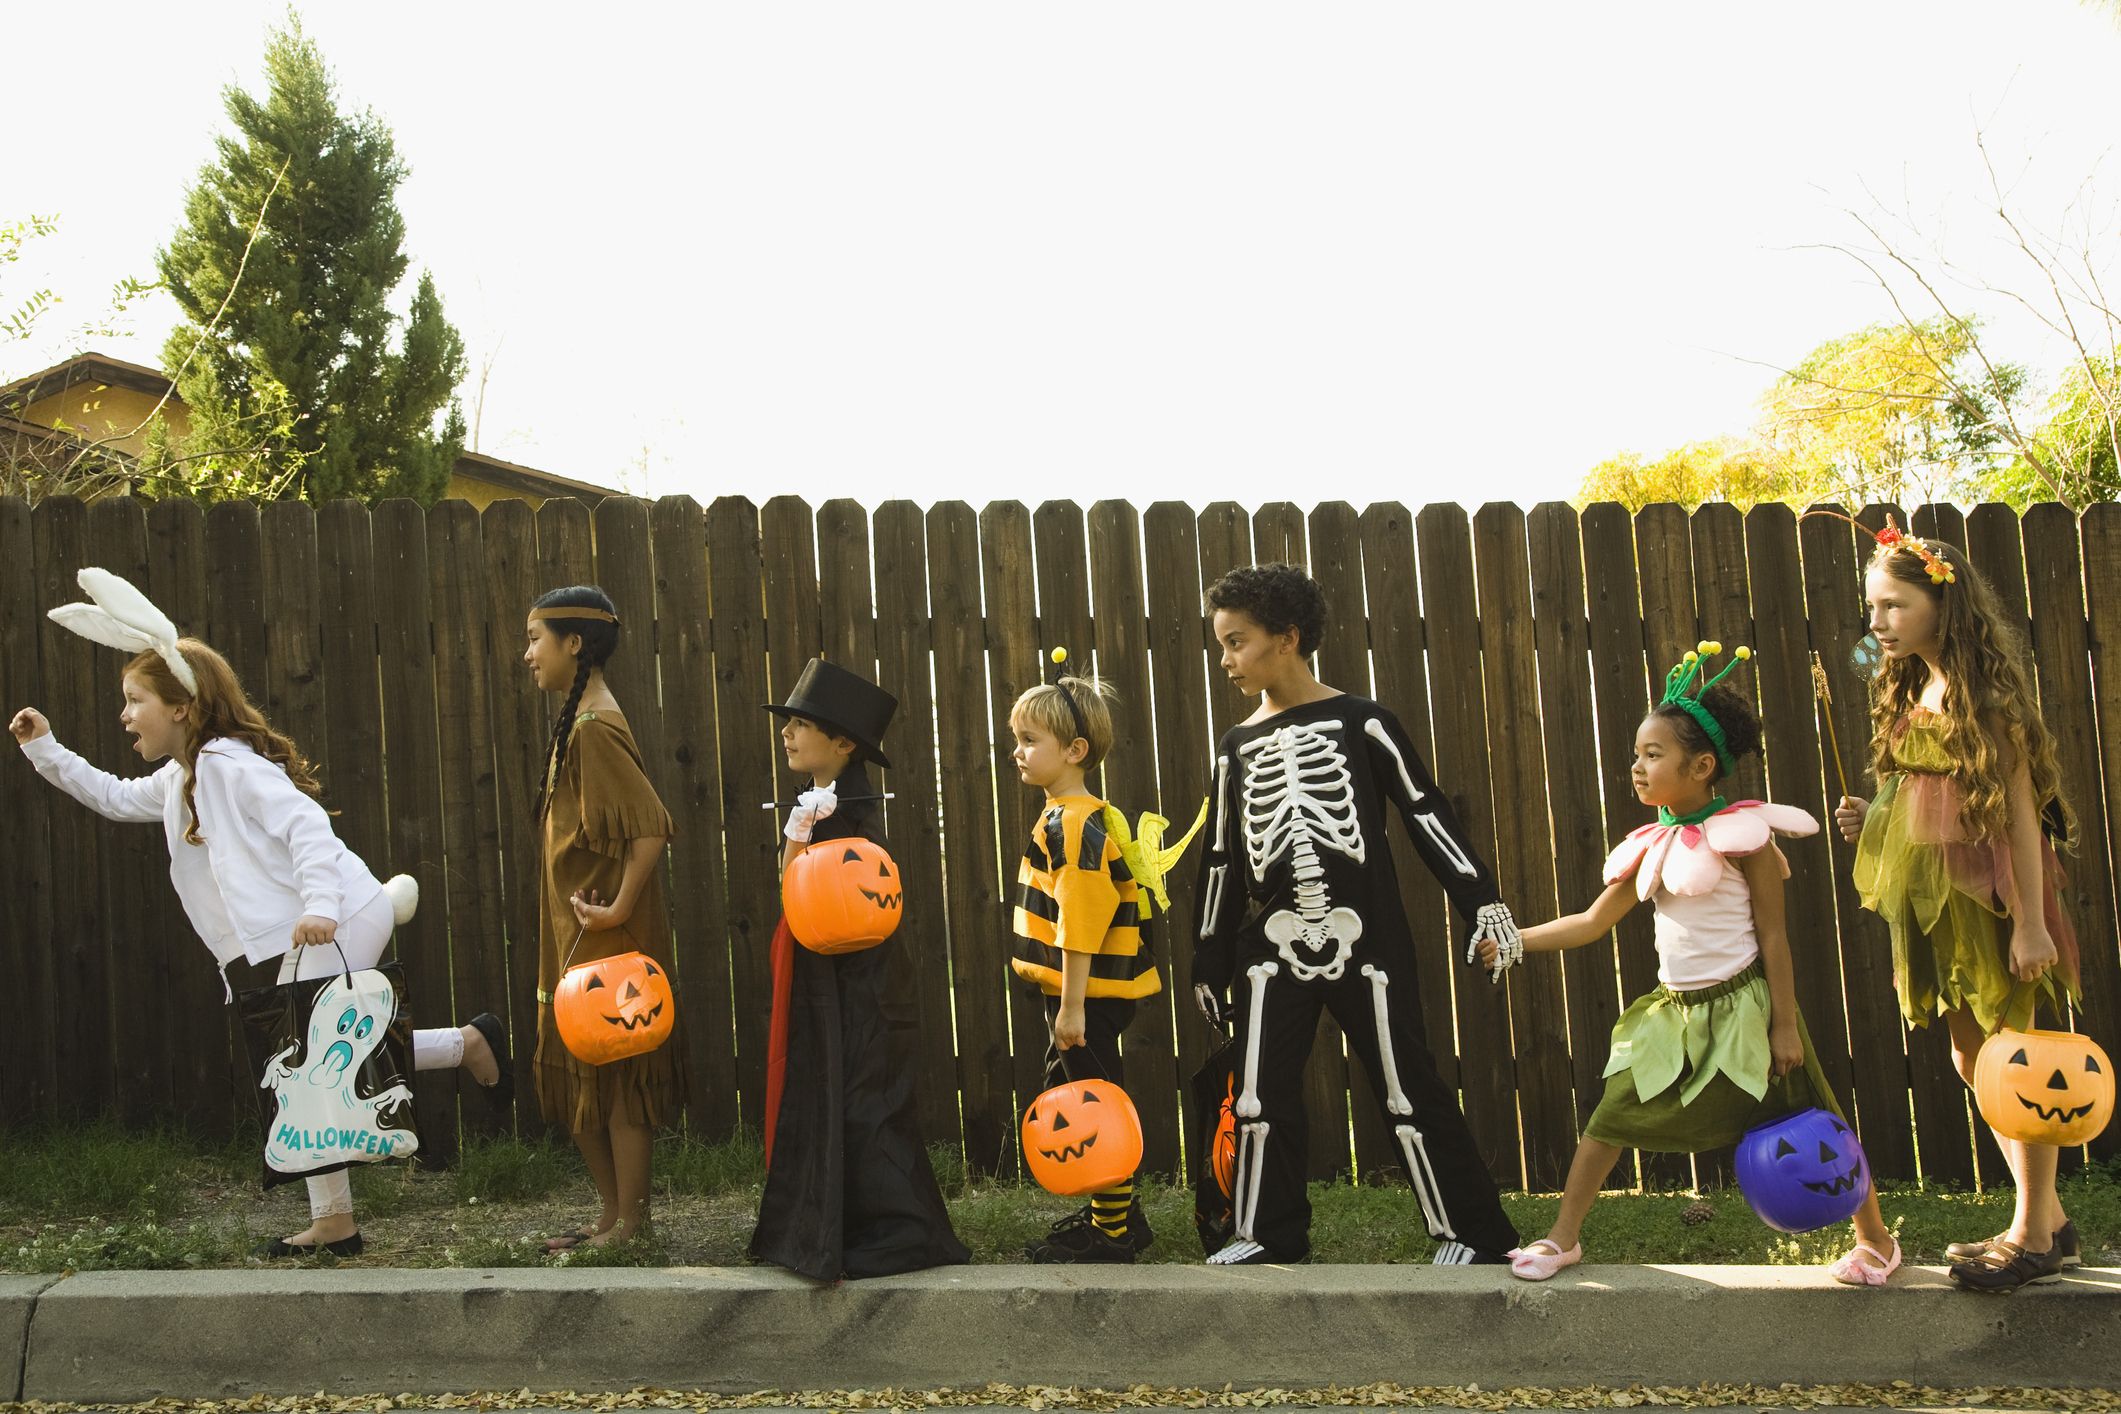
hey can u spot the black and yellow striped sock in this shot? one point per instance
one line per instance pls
(1109, 1210)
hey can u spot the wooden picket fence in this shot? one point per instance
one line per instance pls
(1519, 648)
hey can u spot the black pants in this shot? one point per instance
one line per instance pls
(1434, 1144)
(1097, 1058)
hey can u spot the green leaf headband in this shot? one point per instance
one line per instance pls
(1683, 687)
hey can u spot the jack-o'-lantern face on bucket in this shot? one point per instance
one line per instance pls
(1803, 1171)
(1082, 1137)
(842, 895)
(617, 1007)
(2044, 1087)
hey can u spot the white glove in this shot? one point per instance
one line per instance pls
(1492, 921)
(811, 806)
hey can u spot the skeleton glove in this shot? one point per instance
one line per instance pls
(1211, 1007)
(1493, 921)
(811, 806)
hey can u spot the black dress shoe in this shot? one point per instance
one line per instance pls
(2008, 1267)
(502, 1091)
(281, 1247)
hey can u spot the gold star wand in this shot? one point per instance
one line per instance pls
(1825, 695)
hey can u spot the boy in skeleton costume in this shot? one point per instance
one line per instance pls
(1298, 908)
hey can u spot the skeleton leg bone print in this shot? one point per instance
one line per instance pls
(1411, 1146)
(1252, 1131)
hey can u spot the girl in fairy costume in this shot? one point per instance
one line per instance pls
(1719, 1046)
(1954, 851)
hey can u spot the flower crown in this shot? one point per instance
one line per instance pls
(1893, 537)
(1684, 684)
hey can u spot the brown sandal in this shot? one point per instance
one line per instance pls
(568, 1241)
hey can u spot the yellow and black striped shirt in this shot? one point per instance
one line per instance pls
(1074, 893)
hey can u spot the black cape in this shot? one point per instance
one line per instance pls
(850, 1192)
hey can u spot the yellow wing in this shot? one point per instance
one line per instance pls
(1148, 859)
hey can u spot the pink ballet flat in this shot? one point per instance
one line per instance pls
(1852, 1270)
(1528, 1263)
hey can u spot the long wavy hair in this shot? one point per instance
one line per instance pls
(1988, 684)
(220, 709)
(600, 640)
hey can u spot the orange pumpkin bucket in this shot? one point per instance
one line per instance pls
(613, 1008)
(1082, 1137)
(842, 895)
(2044, 1087)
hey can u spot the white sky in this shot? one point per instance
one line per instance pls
(1195, 251)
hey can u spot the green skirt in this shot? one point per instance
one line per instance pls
(1692, 1070)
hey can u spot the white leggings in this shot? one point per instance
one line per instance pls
(363, 938)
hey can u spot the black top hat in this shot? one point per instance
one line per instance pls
(848, 704)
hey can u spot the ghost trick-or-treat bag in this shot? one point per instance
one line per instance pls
(332, 1056)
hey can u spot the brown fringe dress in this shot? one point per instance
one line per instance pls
(600, 803)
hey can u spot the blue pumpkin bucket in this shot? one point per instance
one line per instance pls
(1803, 1171)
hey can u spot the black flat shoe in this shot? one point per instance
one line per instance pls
(281, 1247)
(502, 1092)
(2008, 1267)
(2066, 1242)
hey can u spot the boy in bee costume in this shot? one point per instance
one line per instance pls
(1084, 890)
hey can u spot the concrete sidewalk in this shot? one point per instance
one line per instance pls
(122, 1336)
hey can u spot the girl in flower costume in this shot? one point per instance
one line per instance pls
(1954, 852)
(1719, 1046)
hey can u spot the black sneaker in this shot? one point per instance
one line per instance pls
(1077, 1238)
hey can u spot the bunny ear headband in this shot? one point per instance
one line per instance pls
(123, 617)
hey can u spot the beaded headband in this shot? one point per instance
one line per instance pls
(1683, 687)
(570, 611)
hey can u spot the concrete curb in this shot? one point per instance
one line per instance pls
(124, 1336)
(18, 1302)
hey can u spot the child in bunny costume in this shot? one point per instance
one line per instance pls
(251, 852)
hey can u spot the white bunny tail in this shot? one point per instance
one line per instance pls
(404, 897)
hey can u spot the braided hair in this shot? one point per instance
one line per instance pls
(599, 641)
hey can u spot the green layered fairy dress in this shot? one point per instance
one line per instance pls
(1944, 894)
(1691, 1067)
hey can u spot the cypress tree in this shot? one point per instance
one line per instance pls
(308, 384)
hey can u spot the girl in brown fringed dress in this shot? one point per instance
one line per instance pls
(603, 829)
